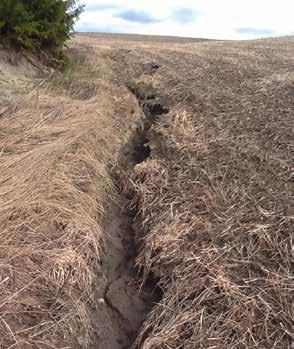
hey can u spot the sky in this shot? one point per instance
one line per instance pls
(214, 19)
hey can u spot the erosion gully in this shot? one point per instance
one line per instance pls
(125, 300)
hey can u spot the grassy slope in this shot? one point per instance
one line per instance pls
(216, 196)
(57, 139)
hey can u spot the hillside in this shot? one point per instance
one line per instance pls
(146, 195)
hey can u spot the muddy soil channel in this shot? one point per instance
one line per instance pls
(125, 301)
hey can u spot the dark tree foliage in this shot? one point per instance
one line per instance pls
(37, 24)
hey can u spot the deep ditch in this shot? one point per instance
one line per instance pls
(126, 301)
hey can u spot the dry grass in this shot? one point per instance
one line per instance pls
(215, 199)
(55, 149)
(50, 173)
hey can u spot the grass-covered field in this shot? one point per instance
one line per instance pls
(199, 191)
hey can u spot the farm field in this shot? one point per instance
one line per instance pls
(146, 195)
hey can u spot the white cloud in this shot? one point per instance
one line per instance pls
(226, 19)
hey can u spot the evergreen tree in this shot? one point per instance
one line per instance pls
(37, 24)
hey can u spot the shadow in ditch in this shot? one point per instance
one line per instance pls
(127, 298)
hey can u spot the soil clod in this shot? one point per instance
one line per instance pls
(154, 107)
(150, 67)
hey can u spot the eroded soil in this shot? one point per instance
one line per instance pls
(125, 300)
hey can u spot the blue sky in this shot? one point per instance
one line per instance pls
(217, 19)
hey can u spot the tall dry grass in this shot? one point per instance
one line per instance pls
(53, 184)
(57, 144)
